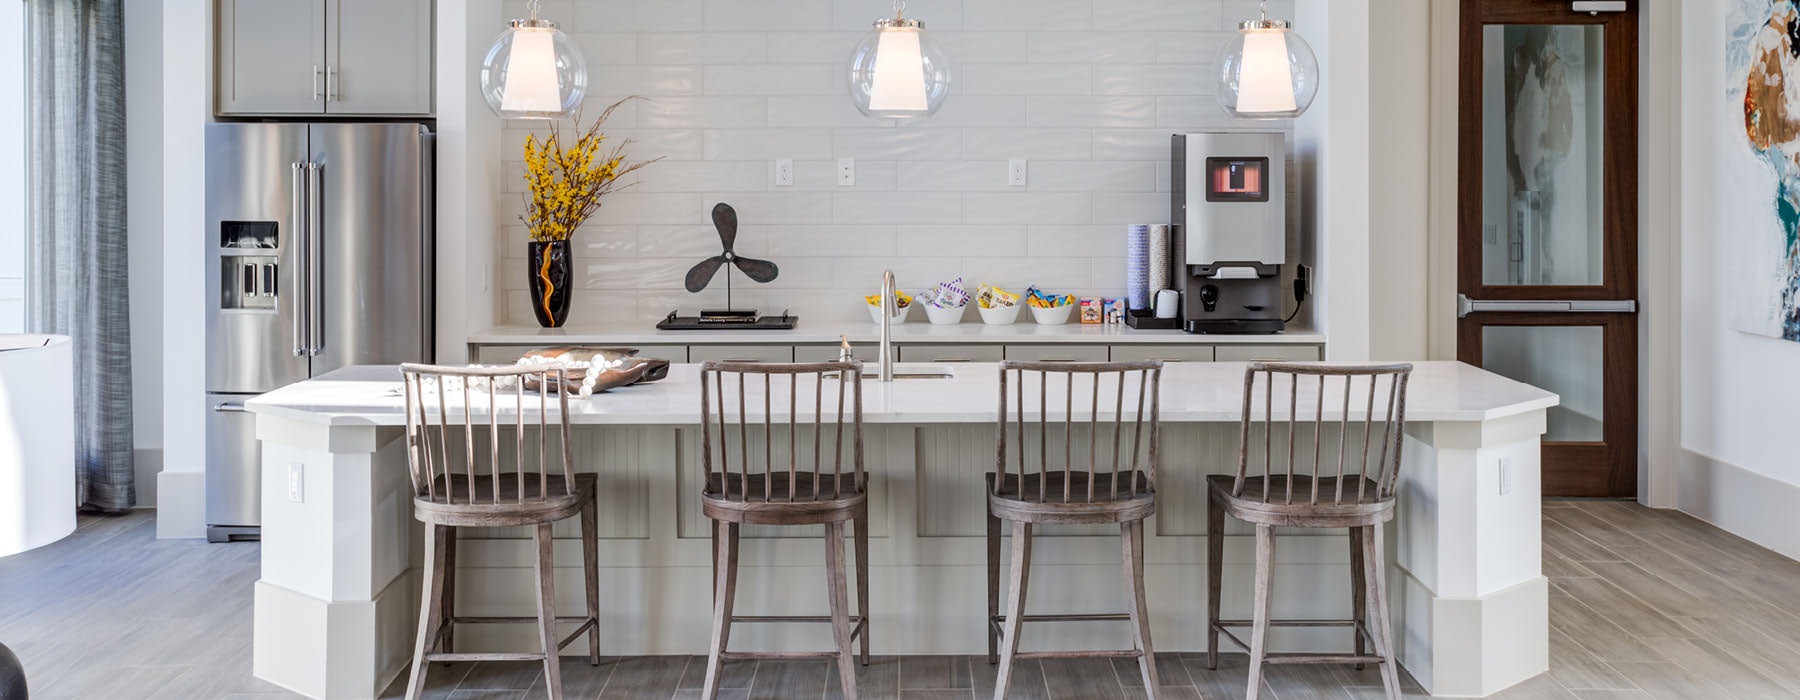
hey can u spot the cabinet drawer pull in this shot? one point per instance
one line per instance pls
(952, 359)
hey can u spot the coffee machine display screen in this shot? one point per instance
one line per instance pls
(1237, 179)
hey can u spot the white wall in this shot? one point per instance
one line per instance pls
(12, 170)
(1087, 90)
(1740, 393)
(144, 227)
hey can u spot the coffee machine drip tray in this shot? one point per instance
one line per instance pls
(1234, 326)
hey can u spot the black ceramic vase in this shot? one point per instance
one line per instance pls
(550, 275)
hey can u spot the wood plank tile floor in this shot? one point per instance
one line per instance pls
(1645, 605)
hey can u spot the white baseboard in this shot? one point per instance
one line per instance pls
(1747, 504)
(148, 465)
(181, 504)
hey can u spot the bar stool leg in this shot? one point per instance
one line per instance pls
(546, 608)
(993, 582)
(836, 588)
(1131, 535)
(1015, 606)
(1215, 576)
(724, 589)
(862, 580)
(1375, 562)
(1259, 632)
(590, 561)
(449, 593)
(1359, 604)
(431, 609)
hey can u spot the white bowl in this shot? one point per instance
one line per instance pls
(899, 313)
(944, 316)
(999, 316)
(1053, 315)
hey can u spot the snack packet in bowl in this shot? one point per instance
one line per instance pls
(990, 297)
(950, 295)
(1037, 298)
(901, 299)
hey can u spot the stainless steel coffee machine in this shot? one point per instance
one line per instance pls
(1230, 197)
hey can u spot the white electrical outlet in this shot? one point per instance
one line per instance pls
(784, 172)
(846, 171)
(296, 482)
(1505, 476)
(1015, 173)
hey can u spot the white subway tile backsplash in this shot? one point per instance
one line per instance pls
(1086, 91)
(783, 79)
(1098, 48)
(1027, 208)
(895, 208)
(1097, 112)
(767, 144)
(1156, 15)
(897, 143)
(787, 15)
(1031, 144)
(993, 240)
(1092, 176)
(1025, 79)
(1030, 15)
(702, 48)
(701, 112)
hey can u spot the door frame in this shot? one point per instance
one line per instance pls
(1621, 203)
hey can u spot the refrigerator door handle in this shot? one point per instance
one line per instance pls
(296, 240)
(230, 407)
(314, 263)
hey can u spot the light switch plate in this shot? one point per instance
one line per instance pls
(1505, 476)
(1015, 173)
(846, 171)
(296, 482)
(784, 172)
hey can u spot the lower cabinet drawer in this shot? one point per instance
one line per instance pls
(1166, 353)
(741, 353)
(1057, 353)
(508, 354)
(951, 353)
(1273, 353)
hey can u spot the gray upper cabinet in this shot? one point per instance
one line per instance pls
(341, 57)
(271, 57)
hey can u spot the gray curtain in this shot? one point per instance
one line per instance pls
(75, 239)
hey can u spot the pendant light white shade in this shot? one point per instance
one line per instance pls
(897, 72)
(1267, 72)
(533, 71)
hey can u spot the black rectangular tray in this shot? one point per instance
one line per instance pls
(693, 323)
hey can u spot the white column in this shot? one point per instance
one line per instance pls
(1471, 595)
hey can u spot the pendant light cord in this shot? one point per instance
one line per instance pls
(900, 8)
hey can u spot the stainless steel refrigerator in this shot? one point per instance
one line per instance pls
(320, 247)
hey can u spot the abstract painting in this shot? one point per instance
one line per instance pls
(1762, 60)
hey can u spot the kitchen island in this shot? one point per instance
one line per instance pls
(336, 606)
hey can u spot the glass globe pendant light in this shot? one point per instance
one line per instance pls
(1267, 71)
(897, 71)
(533, 71)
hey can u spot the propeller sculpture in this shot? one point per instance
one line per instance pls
(725, 220)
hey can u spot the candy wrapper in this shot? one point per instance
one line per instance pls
(995, 298)
(947, 295)
(1037, 298)
(901, 299)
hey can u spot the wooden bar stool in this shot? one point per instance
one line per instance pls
(1351, 491)
(457, 483)
(1119, 490)
(785, 492)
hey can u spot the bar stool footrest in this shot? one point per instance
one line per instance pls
(1102, 654)
(481, 656)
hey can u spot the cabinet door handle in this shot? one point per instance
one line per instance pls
(316, 74)
(331, 84)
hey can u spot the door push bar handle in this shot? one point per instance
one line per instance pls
(1594, 7)
(296, 239)
(1466, 306)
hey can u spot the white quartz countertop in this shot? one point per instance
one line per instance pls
(1191, 392)
(867, 332)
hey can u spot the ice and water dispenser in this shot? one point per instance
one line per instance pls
(248, 264)
(1230, 200)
